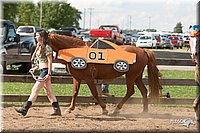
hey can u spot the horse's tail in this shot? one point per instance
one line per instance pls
(153, 77)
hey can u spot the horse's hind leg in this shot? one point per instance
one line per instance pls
(130, 91)
(93, 89)
(143, 91)
(76, 84)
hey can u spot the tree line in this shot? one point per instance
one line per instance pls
(54, 14)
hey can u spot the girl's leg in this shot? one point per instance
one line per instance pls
(35, 90)
(52, 98)
(49, 92)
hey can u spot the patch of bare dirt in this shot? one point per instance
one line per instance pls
(88, 118)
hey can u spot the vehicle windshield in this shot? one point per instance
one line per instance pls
(2, 32)
(68, 28)
(87, 35)
(174, 38)
(157, 37)
(145, 37)
(25, 30)
(108, 28)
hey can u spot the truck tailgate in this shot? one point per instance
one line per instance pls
(100, 33)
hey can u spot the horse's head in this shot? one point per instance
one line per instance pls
(58, 42)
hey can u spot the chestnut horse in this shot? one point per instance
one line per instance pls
(106, 72)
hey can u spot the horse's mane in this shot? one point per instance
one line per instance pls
(58, 42)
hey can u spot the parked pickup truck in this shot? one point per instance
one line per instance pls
(15, 50)
(108, 32)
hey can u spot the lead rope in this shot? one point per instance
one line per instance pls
(35, 77)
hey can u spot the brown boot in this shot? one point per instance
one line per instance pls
(25, 107)
(56, 109)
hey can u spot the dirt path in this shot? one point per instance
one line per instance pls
(88, 118)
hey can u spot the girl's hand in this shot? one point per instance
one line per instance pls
(32, 58)
(47, 77)
(32, 70)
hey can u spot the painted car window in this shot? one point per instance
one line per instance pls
(101, 45)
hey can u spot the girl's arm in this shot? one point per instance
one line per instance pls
(32, 70)
(49, 58)
(34, 54)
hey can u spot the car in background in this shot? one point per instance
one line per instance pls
(27, 30)
(75, 32)
(13, 45)
(129, 40)
(186, 40)
(59, 69)
(158, 40)
(175, 41)
(108, 32)
(146, 41)
(166, 43)
(85, 36)
(181, 41)
(61, 32)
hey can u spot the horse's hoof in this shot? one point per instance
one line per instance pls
(195, 105)
(116, 112)
(145, 111)
(68, 110)
(105, 112)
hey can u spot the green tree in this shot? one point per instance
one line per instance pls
(9, 11)
(150, 30)
(25, 14)
(178, 28)
(57, 15)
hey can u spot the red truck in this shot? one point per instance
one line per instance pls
(108, 32)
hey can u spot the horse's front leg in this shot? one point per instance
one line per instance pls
(94, 92)
(76, 86)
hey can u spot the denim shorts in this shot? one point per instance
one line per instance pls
(43, 73)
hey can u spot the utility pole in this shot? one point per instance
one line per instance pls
(84, 18)
(149, 22)
(130, 23)
(90, 16)
(41, 13)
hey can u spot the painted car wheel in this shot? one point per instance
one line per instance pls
(121, 66)
(78, 63)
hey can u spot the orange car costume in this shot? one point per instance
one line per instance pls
(101, 52)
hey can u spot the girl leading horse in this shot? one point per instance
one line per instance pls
(97, 71)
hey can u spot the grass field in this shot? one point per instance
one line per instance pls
(117, 90)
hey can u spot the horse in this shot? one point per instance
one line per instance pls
(95, 71)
